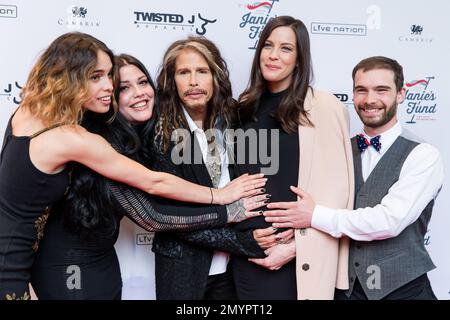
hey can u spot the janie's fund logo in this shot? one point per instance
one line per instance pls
(420, 100)
(255, 19)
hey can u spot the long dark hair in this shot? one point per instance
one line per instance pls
(221, 104)
(89, 205)
(145, 130)
(291, 112)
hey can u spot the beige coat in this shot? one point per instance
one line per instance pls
(326, 173)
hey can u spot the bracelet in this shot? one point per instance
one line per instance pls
(212, 197)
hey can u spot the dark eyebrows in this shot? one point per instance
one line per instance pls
(102, 70)
(383, 87)
(138, 79)
(206, 68)
(181, 69)
(376, 88)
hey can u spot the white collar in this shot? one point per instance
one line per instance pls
(192, 125)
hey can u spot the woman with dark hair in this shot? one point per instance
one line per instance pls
(134, 94)
(314, 153)
(71, 84)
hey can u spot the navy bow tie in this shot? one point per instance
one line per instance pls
(363, 143)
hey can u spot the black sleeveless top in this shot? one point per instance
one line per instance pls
(26, 195)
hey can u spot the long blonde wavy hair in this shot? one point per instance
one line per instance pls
(57, 86)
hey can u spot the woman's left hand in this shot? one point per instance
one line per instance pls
(241, 187)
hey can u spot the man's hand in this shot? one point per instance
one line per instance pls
(277, 256)
(294, 214)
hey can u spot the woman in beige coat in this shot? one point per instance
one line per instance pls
(314, 154)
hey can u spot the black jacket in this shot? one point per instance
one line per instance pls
(183, 259)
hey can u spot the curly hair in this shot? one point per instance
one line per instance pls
(57, 86)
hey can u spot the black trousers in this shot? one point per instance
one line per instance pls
(220, 287)
(418, 289)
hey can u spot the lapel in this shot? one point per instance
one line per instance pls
(307, 137)
(357, 166)
(197, 168)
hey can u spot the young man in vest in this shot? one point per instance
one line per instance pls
(397, 178)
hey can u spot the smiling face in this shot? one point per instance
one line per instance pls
(100, 85)
(376, 98)
(136, 97)
(278, 58)
(194, 81)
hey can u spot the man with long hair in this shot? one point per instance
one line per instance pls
(196, 106)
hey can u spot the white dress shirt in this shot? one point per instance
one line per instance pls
(420, 180)
(220, 259)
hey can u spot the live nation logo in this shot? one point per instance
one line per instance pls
(420, 100)
(12, 92)
(256, 16)
(8, 11)
(338, 29)
(144, 239)
(172, 21)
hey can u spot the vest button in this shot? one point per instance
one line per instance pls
(356, 264)
(352, 279)
(305, 267)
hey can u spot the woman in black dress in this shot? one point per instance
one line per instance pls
(314, 153)
(73, 76)
(271, 106)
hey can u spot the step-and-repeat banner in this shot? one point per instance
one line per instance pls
(342, 33)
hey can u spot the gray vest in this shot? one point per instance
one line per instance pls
(383, 266)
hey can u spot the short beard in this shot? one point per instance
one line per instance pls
(390, 113)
